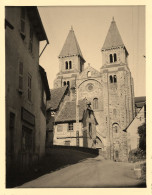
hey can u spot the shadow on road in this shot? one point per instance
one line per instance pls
(55, 158)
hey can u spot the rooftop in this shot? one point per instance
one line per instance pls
(56, 97)
(113, 38)
(68, 112)
(71, 46)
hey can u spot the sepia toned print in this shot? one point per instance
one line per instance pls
(85, 127)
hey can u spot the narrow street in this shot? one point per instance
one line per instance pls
(94, 172)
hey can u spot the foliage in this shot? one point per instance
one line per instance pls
(142, 135)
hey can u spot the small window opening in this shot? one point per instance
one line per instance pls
(64, 83)
(111, 79)
(89, 74)
(66, 65)
(115, 57)
(68, 83)
(111, 58)
(115, 79)
(70, 65)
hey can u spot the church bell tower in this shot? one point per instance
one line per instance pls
(118, 93)
(71, 62)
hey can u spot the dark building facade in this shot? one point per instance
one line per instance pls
(27, 89)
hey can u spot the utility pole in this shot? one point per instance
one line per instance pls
(77, 116)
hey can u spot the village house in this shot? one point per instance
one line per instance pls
(132, 129)
(70, 132)
(27, 89)
(58, 96)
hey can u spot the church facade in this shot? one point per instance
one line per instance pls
(110, 90)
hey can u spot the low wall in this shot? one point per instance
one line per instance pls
(82, 149)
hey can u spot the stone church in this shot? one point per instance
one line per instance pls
(110, 90)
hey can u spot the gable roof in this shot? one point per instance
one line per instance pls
(56, 97)
(94, 72)
(68, 112)
(113, 38)
(71, 46)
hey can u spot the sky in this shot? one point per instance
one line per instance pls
(91, 24)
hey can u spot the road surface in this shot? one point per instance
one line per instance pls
(91, 172)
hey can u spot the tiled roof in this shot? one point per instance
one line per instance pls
(56, 97)
(68, 112)
(113, 38)
(71, 46)
(140, 101)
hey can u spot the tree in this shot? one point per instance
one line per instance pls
(142, 135)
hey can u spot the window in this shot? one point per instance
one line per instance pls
(70, 65)
(68, 83)
(111, 58)
(31, 40)
(89, 74)
(67, 143)
(115, 57)
(70, 126)
(20, 77)
(29, 87)
(116, 154)
(23, 22)
(64, 83)
(115, 78)
(95, 103)
(66, 65)
(27, 143)
(111, 79)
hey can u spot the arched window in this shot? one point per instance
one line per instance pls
(68, 83)
(66, 65)
(115, 57)
(95, 103)
(115, 78)
(64, 83)
(89, 74)
(70, 65)
(115, 127)
(111, 79)
(111, 58)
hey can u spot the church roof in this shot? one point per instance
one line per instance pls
(56, 97)
(71, 46)
(68, 112)
(113, 38)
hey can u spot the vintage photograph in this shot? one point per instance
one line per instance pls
(75, 88)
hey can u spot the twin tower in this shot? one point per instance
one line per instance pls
(110, 90)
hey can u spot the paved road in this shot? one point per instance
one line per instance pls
(91, 172)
